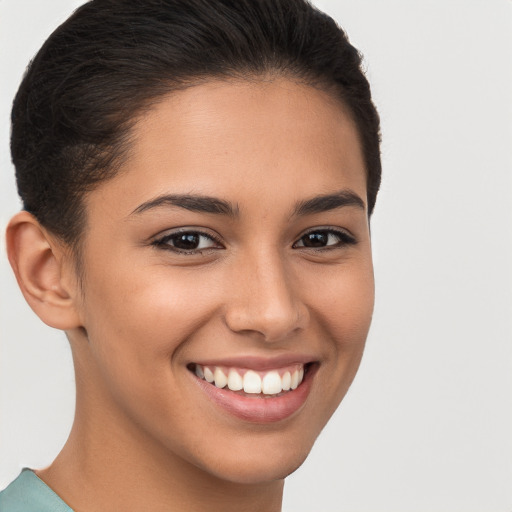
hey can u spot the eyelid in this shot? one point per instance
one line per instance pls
(161, 239)
(345, 236)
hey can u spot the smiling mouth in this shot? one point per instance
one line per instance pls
(251, 383)
(255, 390)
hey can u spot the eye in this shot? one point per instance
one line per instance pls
(187, 242)
(325, 238)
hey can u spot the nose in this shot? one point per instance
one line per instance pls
(263, 298)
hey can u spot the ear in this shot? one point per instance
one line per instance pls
(44, 271)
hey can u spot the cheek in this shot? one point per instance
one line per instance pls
(145, 316)
(343, 310)
(140, 326)
(344, 301)
(136, 324)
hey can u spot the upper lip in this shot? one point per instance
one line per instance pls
(258, 362)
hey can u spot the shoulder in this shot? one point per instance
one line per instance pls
(29, 493)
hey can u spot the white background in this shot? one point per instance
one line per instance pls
(427, 424)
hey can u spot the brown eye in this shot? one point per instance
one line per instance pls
(318, 239)
(187, 242)
(325, 238)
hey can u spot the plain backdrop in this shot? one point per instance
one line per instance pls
(427, 424)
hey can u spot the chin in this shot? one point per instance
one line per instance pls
(258, 470)
(257, 461)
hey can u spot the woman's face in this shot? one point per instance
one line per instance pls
(234, 242)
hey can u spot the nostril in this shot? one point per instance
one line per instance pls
(272, 325)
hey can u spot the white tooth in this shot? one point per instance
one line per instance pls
(271, 383)
(301, 374)
(199, 372)
(252, 382)
(295, 379)
(235, 381)
(287, 381)
(220, 378)
(208, 374)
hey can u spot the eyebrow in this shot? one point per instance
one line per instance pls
(214, 205)
(329, 202)
(192, 202)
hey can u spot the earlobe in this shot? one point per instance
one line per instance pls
(39, 262)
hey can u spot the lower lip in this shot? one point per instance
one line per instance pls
(260, 410)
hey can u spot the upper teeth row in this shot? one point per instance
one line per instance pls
(268, 383)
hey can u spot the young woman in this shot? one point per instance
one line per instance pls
(197, 179)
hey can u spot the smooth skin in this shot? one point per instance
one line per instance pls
(145, 437)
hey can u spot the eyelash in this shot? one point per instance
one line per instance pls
(343, 237)
(163, 242)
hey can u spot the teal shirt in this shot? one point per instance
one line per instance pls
(28, 493)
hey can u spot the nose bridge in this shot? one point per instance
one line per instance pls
(265, 299)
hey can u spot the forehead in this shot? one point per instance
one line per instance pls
(239, 140)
